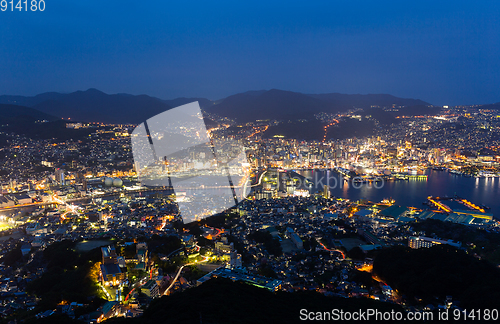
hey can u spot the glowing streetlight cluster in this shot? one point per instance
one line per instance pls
(334, 122)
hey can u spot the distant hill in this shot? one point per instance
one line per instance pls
(282, 105)
(53, 129)
(29, 101)
(313, 130)
(491, 106)
(15, 114)
(204, 103)
(272, 104)
(386, 117)
(97, 106)
(348, 101)
(36, 124)
(94, 106)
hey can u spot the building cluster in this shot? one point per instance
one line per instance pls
(288, 235)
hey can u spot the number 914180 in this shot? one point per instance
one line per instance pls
(22, 5)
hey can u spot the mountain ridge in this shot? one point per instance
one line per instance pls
(20, 114)
(281, 104)
(93, 105)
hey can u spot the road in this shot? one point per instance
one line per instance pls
(205, 259)
(324, 247)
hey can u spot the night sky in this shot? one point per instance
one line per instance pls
(443, 52)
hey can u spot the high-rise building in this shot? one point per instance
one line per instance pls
(59, 175)
(326, 191)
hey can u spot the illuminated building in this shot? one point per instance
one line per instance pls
(151, 289)
(111, 273)
(326, 192)
(223, 246)
(59, 174)
(417, 242)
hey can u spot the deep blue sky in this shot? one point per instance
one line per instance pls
(444, 52)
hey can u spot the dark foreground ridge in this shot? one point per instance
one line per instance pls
(223, 301)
